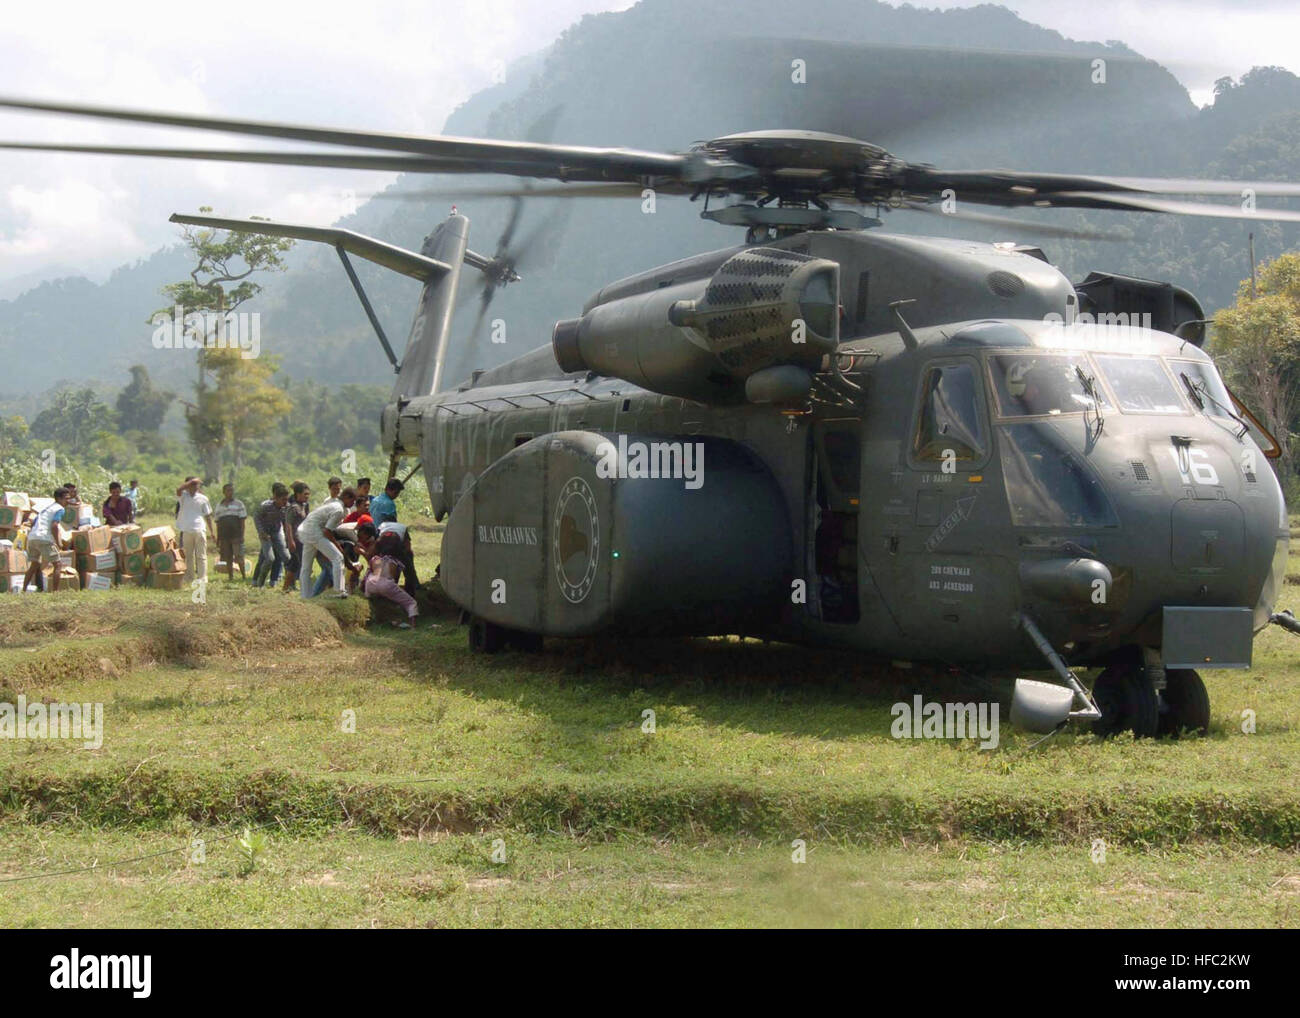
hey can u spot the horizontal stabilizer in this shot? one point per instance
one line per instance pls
(417, 266)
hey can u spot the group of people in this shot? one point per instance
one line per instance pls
(349, 529)
(67, 508)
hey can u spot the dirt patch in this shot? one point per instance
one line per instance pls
(487, 883)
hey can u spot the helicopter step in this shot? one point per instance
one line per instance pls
(1042, 707)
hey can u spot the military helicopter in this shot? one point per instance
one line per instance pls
(917, 448)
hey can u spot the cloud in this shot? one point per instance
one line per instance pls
(399, 66)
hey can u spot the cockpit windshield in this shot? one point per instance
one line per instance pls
(1030, 385)
(1048, 484)
(1141, 385)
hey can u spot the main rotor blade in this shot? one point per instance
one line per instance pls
(1186, 185)
(564, 162)
(594, 190)
(1020, 187)
(341, 160)
(1021, 226)
(1142, 203)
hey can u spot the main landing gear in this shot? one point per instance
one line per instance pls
(1136, 694)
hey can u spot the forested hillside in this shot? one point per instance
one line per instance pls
(666, 73)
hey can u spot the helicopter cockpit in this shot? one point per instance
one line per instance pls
(1043, 384)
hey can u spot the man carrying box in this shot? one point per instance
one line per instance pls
(316, 534)
(41, 550)
(194, 522)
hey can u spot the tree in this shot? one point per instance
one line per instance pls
(72, 419)
(141, 407)
(245, 399)
(13, 430)
(1258, 341)
(232, 388)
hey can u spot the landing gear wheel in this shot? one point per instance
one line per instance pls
(1187, 704)
(1127, 700)
(485, 637)
(528, 643)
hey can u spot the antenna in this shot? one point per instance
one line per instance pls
(909, 337)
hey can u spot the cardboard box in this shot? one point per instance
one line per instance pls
(167, 581)
(135, 563)
(8, 533)
(99, 562)
(13, 561)
(169, 561)
(97, 581)
(11, 516)
(68, 578)
(18, 499)
(63, 535)
(127, 538)
(129, 579)
(89, 541)
(68, 560)
(158, 539)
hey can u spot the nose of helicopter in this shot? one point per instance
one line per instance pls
(1164, 524)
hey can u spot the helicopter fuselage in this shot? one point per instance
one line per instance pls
(950, 479)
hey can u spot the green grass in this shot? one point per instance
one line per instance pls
(353, 879)
(231, 713)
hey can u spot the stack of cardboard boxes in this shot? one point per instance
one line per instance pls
(16, 513)
(165, 562)
(90, 557)
(95, 561)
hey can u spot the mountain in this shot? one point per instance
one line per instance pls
(966, 88)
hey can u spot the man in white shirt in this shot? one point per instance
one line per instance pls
(194, 523)
(42, 549)
(316, 534)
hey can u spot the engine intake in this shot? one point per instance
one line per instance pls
(702, 339)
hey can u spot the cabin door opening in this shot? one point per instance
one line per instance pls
(837, 453)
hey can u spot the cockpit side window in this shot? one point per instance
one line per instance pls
(1206, 386)
(950, 424)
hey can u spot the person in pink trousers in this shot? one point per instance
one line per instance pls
(383, 555)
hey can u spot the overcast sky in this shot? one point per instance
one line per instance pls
(401, 65)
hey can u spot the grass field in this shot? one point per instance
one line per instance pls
(240, 713)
